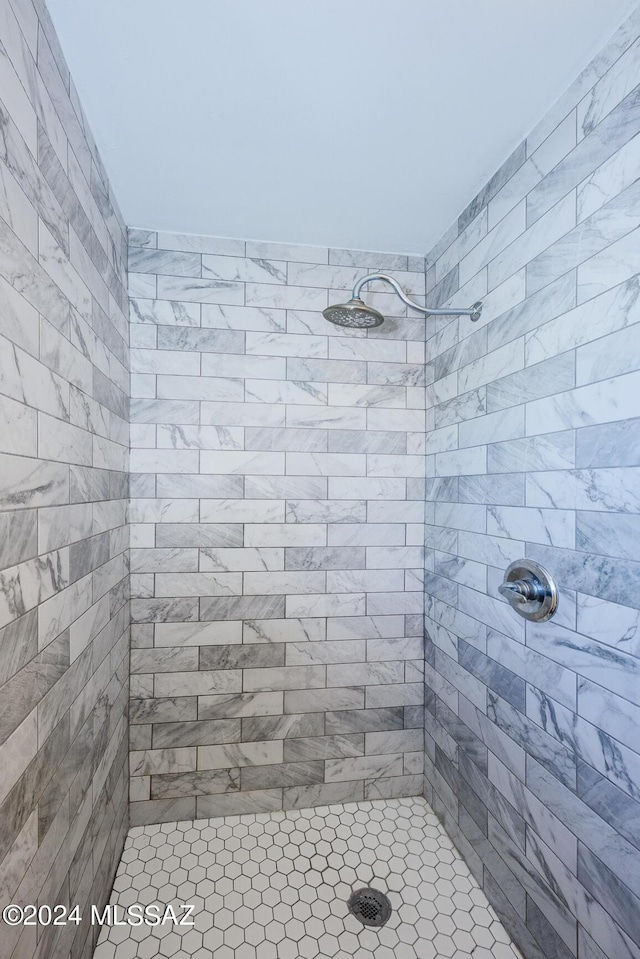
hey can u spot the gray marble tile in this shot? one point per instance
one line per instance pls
(187, 784)
(166, 660)
(199, 291)
(607, 490)
(200, 733)
(501, 680)
(233, 705)
(148, 260)
(549, 451)
(611, 222)
(164, 610)
(257, 319)
(544, 935)
(201, 535)
(18, 537)
(398, 374)
(323, 747)
(393, 787)
(163, 810)
(612, 759)
(301, 797)
(171, 710)
(614, 444)
(611, 535)
(319, 558)
(142, 238)
(505, 490)
(243, 607)
(28, 686)
(504, 174)
(542, 379)
(243, 656)
(295, 440)
(31, 482)
(238, 803)
(282, 775)
(325, 371)
(205, 341)
(612, 133)
(282, 727)
(609, 803)
(610, 623)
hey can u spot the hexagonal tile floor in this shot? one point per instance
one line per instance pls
(276, 886)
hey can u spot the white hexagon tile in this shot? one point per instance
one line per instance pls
(276, 886)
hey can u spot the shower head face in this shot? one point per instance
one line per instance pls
(355, 315)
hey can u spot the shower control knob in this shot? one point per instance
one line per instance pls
(522, 590)
(530, 590)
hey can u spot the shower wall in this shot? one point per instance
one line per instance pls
(277, 530)
(532, 749)
(63, 493)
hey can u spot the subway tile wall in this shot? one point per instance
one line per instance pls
(532, 755)
(277, 517)
(63, 492)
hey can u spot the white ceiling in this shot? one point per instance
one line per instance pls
(360, 123)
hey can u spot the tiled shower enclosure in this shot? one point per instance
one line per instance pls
(277, 531)
(225, 524)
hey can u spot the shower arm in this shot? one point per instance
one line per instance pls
(473, 311)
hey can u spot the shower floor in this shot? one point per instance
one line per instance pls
(276, 886)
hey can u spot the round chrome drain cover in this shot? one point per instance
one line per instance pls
(370, 906)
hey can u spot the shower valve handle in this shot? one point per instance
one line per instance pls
(522, 590)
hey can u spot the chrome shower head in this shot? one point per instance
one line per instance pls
(358, 316)
(355, 314)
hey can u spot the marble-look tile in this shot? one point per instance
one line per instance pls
(553, 527)
(164, 312)
(188, 784)
(281, 775)
(463, 407)
(198, 244)
(488, 249)
(18, 537)
(326, 371)
(240, 414)
(614, 444)
(244, 269)
(610, 535)
(75, 428)
(613, 87)
(589, 489)
(609, 623)
(148, 260)
(552, 451)
(249, 607)
(611, 177)
(601, 662)
(615, 264)
(194, 290)
(258, 319)
(503, 174)
(32, 482)
(605, 401)
(185, 533)
(614, 220)
(612, 133)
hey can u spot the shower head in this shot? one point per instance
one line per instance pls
(355, 314)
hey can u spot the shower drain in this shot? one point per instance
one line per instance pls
(370, 906)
